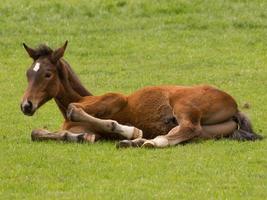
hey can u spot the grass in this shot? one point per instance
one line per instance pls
(121, 46)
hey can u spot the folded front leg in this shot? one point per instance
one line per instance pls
(103, 125)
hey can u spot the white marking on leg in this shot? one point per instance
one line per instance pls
(114, 126)
(161, 141)
(36, 67)
(126, 131)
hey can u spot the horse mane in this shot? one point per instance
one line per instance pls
(75, 81)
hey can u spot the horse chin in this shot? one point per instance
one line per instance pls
(29, 113)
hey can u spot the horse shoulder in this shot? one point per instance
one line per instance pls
(103, 106)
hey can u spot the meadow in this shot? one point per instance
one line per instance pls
(121, 46)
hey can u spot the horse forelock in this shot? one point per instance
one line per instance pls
(43, 50)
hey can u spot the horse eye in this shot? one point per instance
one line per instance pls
(48, 75)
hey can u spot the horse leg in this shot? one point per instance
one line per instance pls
(219, 130)
(184, 133)
(181, 133)
(63, 135)
(103, 126)
(131, 143)
(214, 131)
(189, 127)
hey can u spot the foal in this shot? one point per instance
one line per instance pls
(152, 117)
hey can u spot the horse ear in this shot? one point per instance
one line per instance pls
(30, 51)
(59, 53)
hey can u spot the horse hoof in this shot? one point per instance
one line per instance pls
(124, 144)
(37, 134)
(34, 135)
(148, 144)
(137, 133)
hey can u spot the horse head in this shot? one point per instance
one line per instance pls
(43, 77)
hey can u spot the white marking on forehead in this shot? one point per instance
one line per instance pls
(36, 67)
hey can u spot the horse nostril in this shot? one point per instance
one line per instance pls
(30, 104)
(26, 107)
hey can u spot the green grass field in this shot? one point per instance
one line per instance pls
(121, 46)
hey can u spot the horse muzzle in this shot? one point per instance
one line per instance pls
(27, 108)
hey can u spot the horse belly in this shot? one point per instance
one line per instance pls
(152, 113)
(155, 123)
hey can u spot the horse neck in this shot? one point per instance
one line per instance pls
(71, 90)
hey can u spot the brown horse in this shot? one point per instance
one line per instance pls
(152, 117)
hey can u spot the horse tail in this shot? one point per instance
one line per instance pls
(245, 130)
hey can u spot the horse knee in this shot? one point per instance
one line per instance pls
(74, 112)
